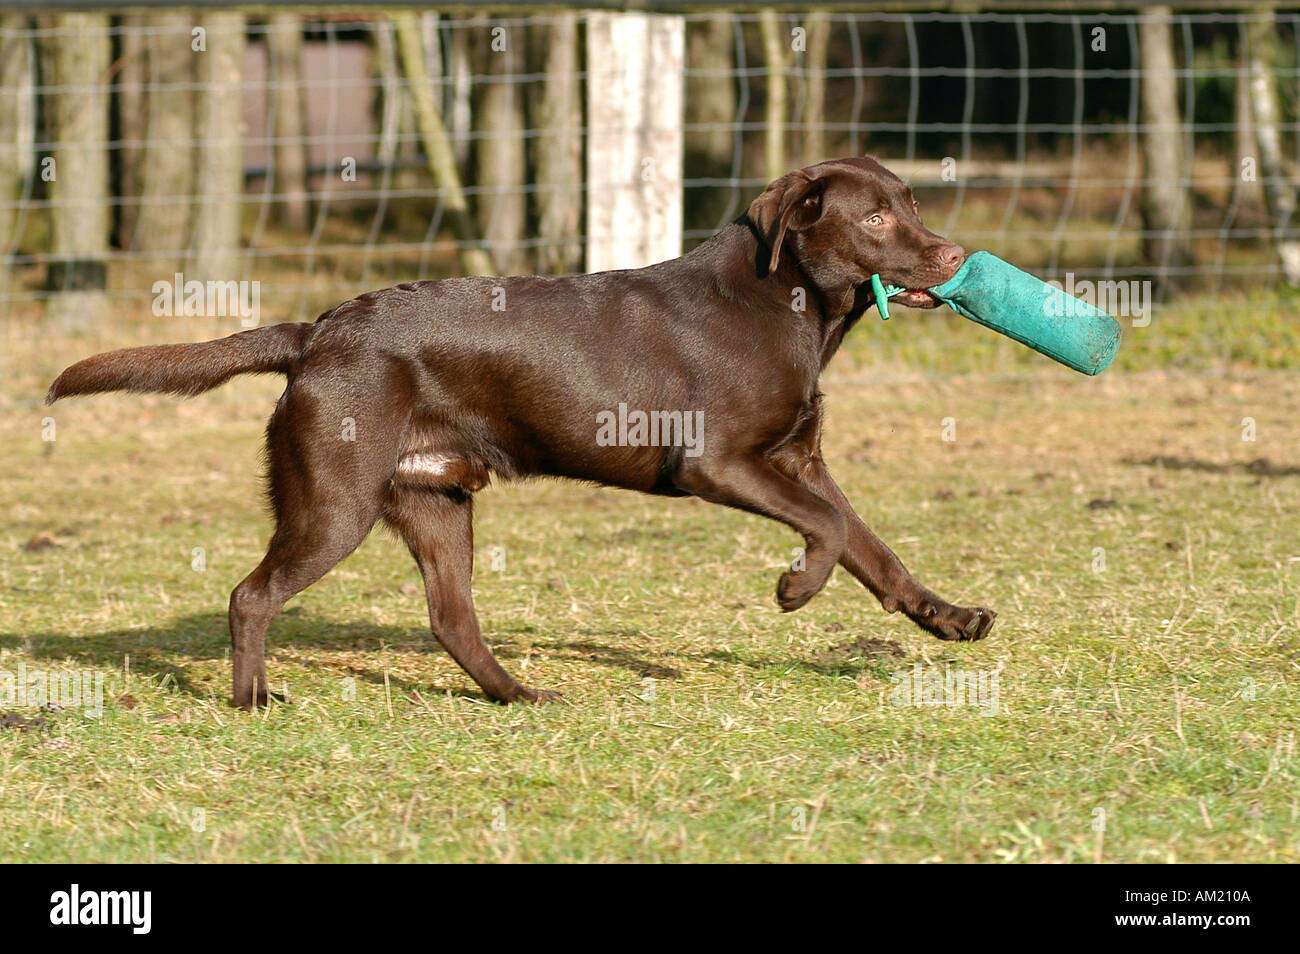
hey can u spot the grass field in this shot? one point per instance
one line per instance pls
(1143, 558)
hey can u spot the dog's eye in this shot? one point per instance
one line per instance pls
(876, 220)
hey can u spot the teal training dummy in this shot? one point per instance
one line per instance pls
(1002, 297)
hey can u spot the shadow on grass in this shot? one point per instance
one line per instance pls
(588, 651)
(880, 665)
(1260, 467)
(162, 651)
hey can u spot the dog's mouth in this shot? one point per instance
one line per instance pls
(918, 295)
(916, 298)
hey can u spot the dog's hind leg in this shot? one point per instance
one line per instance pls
(437, 526)
(330, 465)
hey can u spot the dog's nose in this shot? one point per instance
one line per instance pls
(951, 255)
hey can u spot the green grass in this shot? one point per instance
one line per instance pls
(702, 724)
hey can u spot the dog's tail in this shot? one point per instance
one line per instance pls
(185, 368)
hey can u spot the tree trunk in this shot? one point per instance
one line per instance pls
(78, 60)
(710, 102)
(1165, 206)
(776, 51)
(398, 131)
(17, 134)
(818, 27)
(500, 156)
(220, 180)
(132, 123)
(289, 181)
(1244, 191)
(711, 90)
(437, 146)
(557, 113)
(460, 87)
(1279, 189)
(167, 157)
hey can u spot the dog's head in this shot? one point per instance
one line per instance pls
(848, 219)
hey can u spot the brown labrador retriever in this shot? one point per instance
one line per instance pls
(401, 402)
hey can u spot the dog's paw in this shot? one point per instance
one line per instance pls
(794, 589)
(538, 696)
(957, 623)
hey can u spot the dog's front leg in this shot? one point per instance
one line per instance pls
(754, 485)
(878, 568)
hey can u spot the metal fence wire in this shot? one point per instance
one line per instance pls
(294, 147)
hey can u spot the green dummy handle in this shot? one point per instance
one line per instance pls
(883, 293)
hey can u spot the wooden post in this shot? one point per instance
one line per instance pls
(78, 60)
(634, 146)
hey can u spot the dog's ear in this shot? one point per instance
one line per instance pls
(792, 201)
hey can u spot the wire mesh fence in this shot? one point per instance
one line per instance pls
(303, 156)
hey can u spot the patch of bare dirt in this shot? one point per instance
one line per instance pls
(861, 649)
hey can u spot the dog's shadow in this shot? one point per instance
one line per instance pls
(153, 651)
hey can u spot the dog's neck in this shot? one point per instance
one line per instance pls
(835, 309)
(738, 241)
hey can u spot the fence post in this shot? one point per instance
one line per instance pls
(634, 142)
